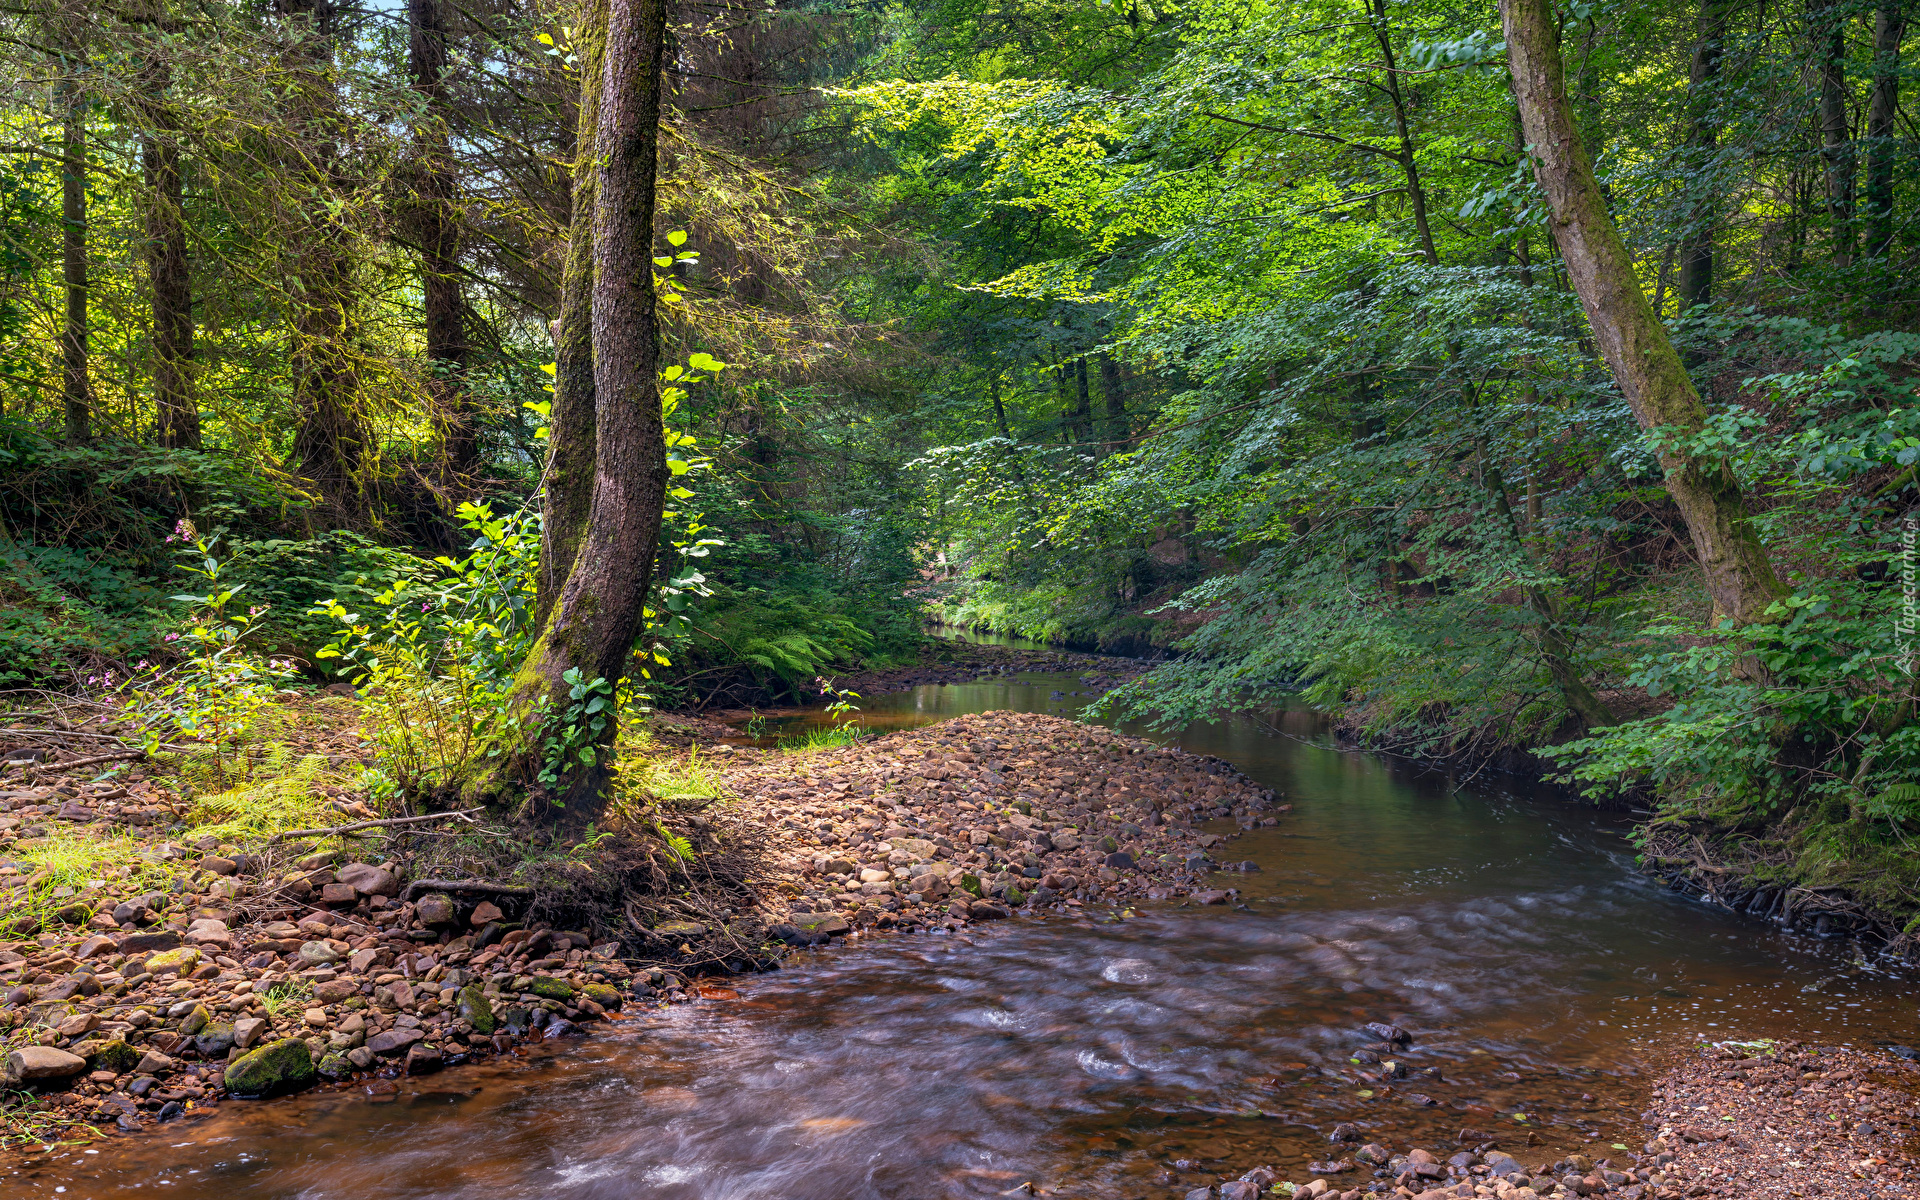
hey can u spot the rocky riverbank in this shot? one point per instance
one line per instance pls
(977, 816)
(1769, 1121)
(192, 971)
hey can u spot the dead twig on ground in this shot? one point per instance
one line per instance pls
(287, 834)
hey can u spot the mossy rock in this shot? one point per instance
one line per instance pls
(115, 1056)
(550, 987)
(214, 1041)
(1109, 845)
(196, 1020)
(605, 996)
(274, 1069)
(971, 885)
(681, 931)
(181, 961)
(335, 1066)
(476, 1010)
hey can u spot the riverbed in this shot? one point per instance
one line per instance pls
(1134, 1054)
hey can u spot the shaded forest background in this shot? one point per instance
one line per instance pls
(1236, 332)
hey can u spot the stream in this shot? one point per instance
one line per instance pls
(1100, 1055)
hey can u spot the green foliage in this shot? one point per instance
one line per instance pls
(218, 696)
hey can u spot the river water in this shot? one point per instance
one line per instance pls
(1107, 1055)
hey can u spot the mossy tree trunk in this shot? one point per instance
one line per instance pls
(568, 482)
(589, 632)
(437, 217)
(1739, 577)
(176, 417)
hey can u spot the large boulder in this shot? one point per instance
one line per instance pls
(272, 1070)
(40, 1064)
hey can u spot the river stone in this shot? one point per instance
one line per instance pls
(821, 922)
(393, 1041)
(30, 1064)
(115, 1056)
(335, 1066)
(436, 908)
(983, 911)
(333, 991)
(681, 931)
(1065, 841)
(368, 879)
(551, 987)
(930, 886)
(214, 1041)
(275, 1068)
(179, 961)
(195, 1020)
(475, 1010)
(247, 1031)
(605, 995)
(970, 884)
(484, 914)
(424, 1060)
(318, 954)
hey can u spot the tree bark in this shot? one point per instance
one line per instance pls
(1829, 25)
(1113, 389)
(76, 390)
(1739, 577)
(1409, 169)
(591, 630)
(176, 416)
(1883, 144)
(1703, 133)
(570, 439)
(1082, 403)
(438, 222)
(330, 441)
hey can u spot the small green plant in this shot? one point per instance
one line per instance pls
(285, 999)
(23, 1122)
(215, 700)
(821, 739)
(66, 872)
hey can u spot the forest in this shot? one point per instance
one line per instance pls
(1511, 385)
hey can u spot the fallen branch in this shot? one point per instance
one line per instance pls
(358, 825)
(462, 885)
(70, 764)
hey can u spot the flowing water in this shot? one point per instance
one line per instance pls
(1104, 1055)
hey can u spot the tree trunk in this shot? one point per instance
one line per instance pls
(1738, 575)
(1556, 645)
(330, 442)
(570, 440)
(1410, 170)
(76, 391)
(589, 636)
(176, 417)
(1082, 403)
(1114, 389)
(438, 218)
(1829, 25)
(1883, 143)
(1703, 128)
